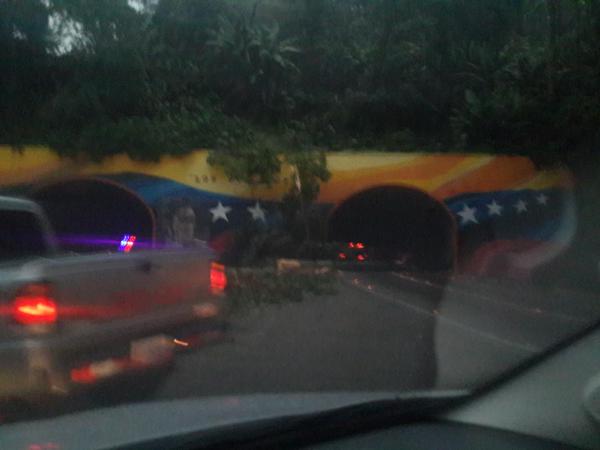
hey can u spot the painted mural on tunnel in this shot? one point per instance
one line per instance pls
(504, 215)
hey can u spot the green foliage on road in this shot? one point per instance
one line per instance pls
(256, 287)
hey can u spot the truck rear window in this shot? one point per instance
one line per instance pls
(21, 236)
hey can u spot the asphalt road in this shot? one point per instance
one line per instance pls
(382, 331)
(379, 331)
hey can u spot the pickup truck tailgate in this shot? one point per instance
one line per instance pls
(117, 289)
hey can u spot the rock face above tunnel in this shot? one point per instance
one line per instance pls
(399, 223)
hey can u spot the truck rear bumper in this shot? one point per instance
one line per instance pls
(41, 369)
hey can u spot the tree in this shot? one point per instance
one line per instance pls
(252, 64)
(309, 169)
(25, 69)
(100, 77)
(261, 164)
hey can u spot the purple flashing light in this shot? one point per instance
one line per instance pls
(127, 243)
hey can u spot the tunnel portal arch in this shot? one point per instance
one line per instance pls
(398, 222)
(90, 214)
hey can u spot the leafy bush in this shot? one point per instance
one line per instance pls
(249, 288)
(147, 138)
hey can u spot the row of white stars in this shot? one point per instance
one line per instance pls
(467, 214)
(220, 212)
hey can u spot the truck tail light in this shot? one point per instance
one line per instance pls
(218, 278)
(34, 305)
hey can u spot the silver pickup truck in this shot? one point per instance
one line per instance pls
(69, 322)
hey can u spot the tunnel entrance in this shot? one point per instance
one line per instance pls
(399, 224)
(94, 215)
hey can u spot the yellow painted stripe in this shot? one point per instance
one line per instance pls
(466, 168)
(350, 161)
(351, 172)
(549, 179)
(27, 165)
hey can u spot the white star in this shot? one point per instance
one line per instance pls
(220, 212)
(468, 215)
(257, 212)
(494, 209)
(542, 199)
(521, 206)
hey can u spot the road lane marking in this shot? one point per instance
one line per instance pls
(532, 312)
(389, 299)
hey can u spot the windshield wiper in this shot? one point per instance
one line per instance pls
(304, 429)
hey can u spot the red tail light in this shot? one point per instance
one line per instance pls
(34, 305)
(218, 278)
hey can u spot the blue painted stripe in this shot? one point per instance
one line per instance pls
(539, 222)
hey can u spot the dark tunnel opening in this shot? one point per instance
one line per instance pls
(398, 223)
(94, 215)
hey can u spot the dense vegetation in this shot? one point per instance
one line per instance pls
(149, 77)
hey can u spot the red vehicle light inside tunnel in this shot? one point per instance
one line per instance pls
(34, 305)
(218, 278)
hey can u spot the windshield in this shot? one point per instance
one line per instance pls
(288, 197)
